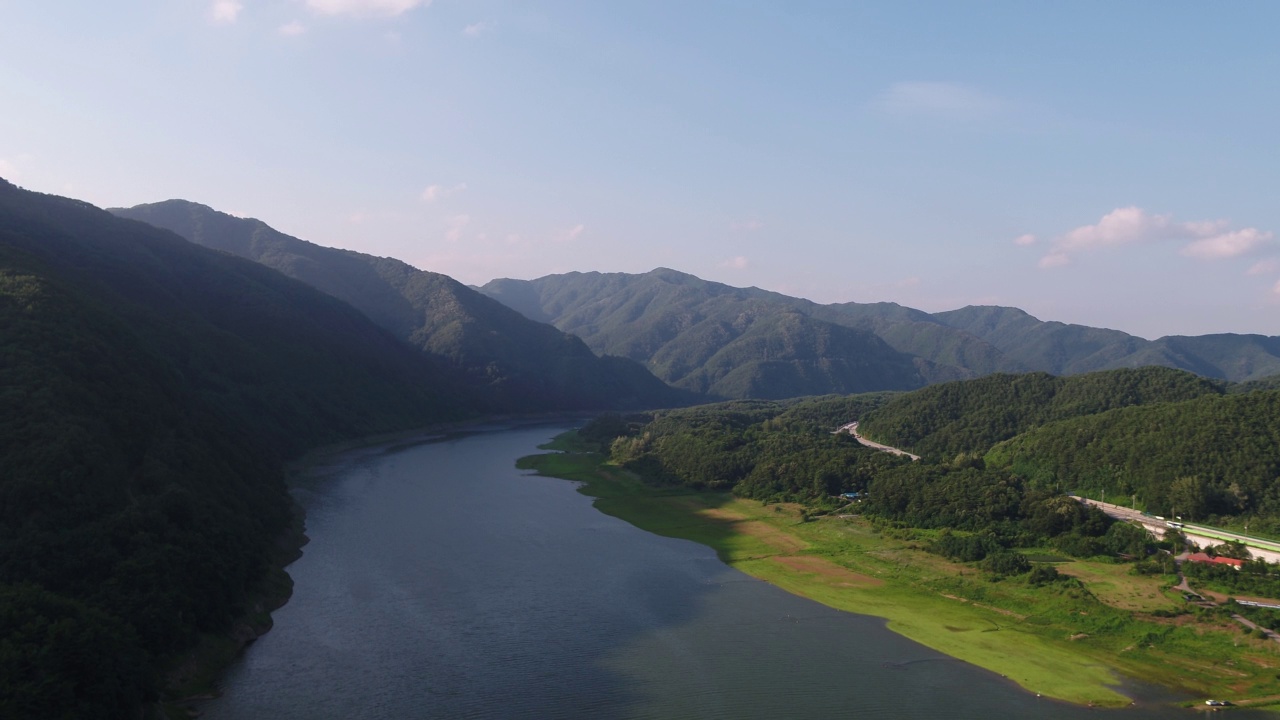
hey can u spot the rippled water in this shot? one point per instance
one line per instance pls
(441, 582)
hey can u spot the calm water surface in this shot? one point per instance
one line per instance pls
(441, 582)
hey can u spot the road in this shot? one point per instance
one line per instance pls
(852, 429)
(1199, 534)
(1215, 537)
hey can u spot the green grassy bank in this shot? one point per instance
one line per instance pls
(1068, 640)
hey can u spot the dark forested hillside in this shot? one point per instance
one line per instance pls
(675, 322)
(969, 416)
(149, 389)
(518, 364)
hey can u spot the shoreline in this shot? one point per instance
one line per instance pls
(195, 673)
(852, 567)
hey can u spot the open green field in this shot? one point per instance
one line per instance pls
(1062, 640)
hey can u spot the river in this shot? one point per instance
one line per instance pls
(441, 582)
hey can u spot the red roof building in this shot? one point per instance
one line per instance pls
(1203, 558)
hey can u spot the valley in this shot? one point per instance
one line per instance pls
(156, 376)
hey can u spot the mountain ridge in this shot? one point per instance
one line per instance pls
(519, 363)
(652, 317)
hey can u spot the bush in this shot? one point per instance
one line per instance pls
(1044, 574)
(1007, 563)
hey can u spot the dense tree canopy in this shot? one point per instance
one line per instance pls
(772, 452)
(1214, 455)
(972, 415)
(149, 390)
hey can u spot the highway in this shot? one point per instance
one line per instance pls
(1201, 535)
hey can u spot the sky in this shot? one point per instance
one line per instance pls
(1112, 164)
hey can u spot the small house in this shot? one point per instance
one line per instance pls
(1205, 558)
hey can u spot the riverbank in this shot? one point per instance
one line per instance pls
(193, 676)
(1071, 641)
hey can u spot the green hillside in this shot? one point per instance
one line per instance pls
(759, 449)
(1213, 455)
(151, 389)
(708, 337)
(676, 322)
(944, 420)
(517, 364)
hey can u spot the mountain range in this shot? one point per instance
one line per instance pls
(597, 340)
(750, 343)
(151, 388)
(511, 363)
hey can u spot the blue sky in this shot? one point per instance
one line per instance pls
(1111, 164)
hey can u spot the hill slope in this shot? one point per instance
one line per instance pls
(732, 342)
(1213, 455)
(519, 365)
(150, 390)
(970, 416)
(1064, 349)
(674, 322)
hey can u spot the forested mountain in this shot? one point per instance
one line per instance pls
(1214, 455)
(970, 416)
(1267, 383)
(673, 322)
(1052, 347)
(1172, 440)
(1064, 349)
(151, 389)
(518, 364)
(731, 342)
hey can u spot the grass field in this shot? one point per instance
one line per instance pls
(1060, 640)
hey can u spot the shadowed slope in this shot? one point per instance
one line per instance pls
(519, 364)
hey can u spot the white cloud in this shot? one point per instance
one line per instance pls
(1120, 226)
(747, 225)
(455, 226)
(432, 193)
(365, 8)
(1265, 267)
(1024, 240)
(1207, 240)
(939, 99)
(225, 12)
(1275, 290)
(737, 263)
(8, 170)
(1227, 245)
(574, 233)
(475, 29)
(292, 29)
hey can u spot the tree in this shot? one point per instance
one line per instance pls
(1188, 497)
